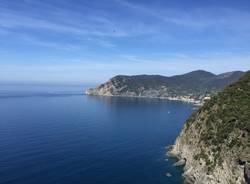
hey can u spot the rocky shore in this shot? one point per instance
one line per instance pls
(149, 94)
(214, 144)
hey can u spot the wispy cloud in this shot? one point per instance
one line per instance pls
(196, 17)
(67, 21)
(92, 71)
(10, 19)
(85, 22)
(118, 37)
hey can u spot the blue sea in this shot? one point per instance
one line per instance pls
(56, 135)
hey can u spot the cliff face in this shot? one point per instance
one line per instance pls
(215, 141)
(191, 86)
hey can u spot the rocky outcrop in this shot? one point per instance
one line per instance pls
(215, 140)
(190, 87)
(247, 172)
(181, 162)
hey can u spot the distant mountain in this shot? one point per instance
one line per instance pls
(214, 144)
(190, 87)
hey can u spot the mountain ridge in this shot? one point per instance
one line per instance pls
(192, 86)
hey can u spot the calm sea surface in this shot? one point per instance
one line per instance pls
(56, 135)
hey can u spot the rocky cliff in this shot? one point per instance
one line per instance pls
(214, 144)
(192, 86)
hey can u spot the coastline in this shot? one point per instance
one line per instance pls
(180, 99)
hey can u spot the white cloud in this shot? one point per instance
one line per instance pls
(119, 30)
(195, 18)
(89, 71)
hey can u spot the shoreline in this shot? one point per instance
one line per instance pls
(181, 163)
(191, 101)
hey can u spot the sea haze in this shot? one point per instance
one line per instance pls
(55, 134)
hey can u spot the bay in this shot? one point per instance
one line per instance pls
(55, 134)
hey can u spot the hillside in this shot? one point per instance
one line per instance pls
(215, 141)
(192, 86)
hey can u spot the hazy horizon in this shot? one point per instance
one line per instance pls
(82, 83)
(89, 42)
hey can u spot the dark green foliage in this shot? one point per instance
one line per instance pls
(232, 111)
(190, 120)
(225, 113)
(211, 164)
(196, 83)
(201, 155)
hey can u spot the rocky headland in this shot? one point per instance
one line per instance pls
(194, 87)
(214, 145)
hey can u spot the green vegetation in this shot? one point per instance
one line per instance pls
(229, 110)
(196, 83)
(211, 164)
(223, 124)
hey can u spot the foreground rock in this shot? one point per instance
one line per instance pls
(168, 175)
(191, 87)
(181, 162)
(215, 141)
(247, 172)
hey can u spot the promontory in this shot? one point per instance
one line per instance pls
(190, 87)
(214, 144)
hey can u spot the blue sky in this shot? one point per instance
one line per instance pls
(78, 41)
